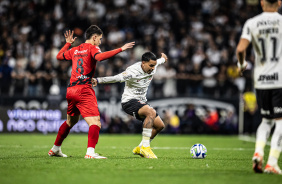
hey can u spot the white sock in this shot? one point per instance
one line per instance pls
(262, 135)
(276, 141)
(142, 144)
(90, 151)
(56, 148)
(146, 134)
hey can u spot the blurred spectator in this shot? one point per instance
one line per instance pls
(209, 82)
(48, 75)
(5, 77)
(170, 82)
(251, 114)
(18, 75)
(195, 81)
(33, 79)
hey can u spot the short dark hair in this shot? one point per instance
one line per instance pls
(93, 29)
(147, 56)
(271, 1)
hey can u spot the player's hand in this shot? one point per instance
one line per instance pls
(242, 68)
(94, 82)
(127, 46)
(164, 56)
(69, 37)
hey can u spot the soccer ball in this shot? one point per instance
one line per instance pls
(198, 151)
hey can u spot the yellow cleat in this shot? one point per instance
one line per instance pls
(147, 152)
(136, 151)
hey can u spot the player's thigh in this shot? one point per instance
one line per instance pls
(72, 120)
(72, 99)
(93, 120)
(87, 104)
(147, 110)
(158, 123)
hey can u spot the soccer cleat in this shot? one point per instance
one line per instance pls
(94, 156)
(57, 153)
(136, 151)
(272, 169)
(257, 163)
(147, 152)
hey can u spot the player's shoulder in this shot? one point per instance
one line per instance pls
(263, 15)
(135, 66)
(96, 47)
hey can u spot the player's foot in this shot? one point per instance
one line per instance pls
(136, 151)
(272, 169)
(257, 163)
(57, 153)
(94, 156)
(147, 152)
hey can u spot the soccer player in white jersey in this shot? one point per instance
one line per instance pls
(264, 31)
(137, 78)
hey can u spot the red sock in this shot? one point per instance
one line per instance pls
(62, 134)
(93, 136)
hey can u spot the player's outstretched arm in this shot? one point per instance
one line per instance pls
(127, 46)
(106, 80)
(106, 55)
(69, 40)
(122, 77)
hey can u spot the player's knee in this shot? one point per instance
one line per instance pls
(152, 113)
(95, 121)
(162, 126)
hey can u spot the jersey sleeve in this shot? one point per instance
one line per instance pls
(246, 32)
(64, 53)
(160, 61)
(94, 51)
(122, 77)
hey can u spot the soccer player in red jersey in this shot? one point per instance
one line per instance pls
(80, 95)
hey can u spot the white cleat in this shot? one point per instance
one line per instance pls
(272, 169)
(94, 156)
(57, 153)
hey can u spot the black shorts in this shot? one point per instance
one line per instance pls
(270, 103)
(132, 107)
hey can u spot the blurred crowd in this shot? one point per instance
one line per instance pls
(199, 38)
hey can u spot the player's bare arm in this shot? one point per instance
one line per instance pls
(127, 46)
(69, 36)
(241, 54)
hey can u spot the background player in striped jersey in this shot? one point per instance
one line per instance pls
(80, 95)
(137, 78)
(264, 31)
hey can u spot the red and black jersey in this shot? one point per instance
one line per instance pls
(83, 63)
(84, 58)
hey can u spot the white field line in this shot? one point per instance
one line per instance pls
(250, 139)
(115, 147)
(243, 138)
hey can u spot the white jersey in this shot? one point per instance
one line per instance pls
(265, 33)
(136, 81)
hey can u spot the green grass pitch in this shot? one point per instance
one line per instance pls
(24, 160)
